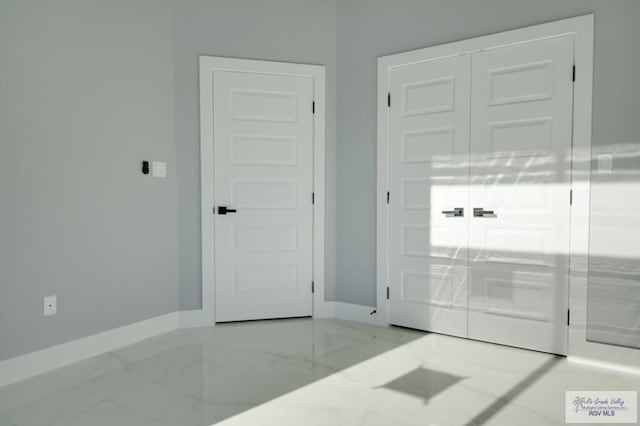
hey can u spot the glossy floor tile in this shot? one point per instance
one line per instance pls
(195, 376)
(306, 372)
(441, 380)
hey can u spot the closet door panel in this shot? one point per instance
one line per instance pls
(429, 145)
(520, 171)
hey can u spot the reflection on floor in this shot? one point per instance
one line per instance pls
(440, 380)
(196, 376)
(383, 376)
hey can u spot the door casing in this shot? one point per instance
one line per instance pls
(209, 64)
(581, 28)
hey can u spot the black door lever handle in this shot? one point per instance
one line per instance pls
(225, 210)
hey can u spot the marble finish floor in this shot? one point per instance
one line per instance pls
(441, 380)
(195, 377)
(306, 372)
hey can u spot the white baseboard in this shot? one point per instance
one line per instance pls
(32, 364)
(25, 366)
(603, 364)
(35, 363)
(324, 310)
(358, 313)
(191, 319)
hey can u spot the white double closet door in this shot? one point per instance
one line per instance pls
(479, 178)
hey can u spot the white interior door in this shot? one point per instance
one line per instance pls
(428, 175)
(521, 121)
(263, 155)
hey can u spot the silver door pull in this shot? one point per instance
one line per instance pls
(456, 212)
(480, 212)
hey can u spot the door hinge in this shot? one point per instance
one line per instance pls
(388, 196)
(313, 107)
(313, 287)
(313, 198)
(568, 317)
(571, 197)
(389, 99)
(387, 292)
(573, 76)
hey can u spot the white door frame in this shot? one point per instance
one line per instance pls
(316, 72)
(582, 29)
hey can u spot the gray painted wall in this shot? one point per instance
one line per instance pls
(368, 29)
(86, 93)
(301, 31)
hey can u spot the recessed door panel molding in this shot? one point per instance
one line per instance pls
(521, 83)
(264, 193)
(531, 301)
(268, 279)
(517, 193)
(262, 135)
(415, 193)
(433, 288)
(524, 138)
(427, 241)
(429, 97)
(428, 145)
(264, 238)
(264, 150)
(477, 143)
(512, 243)
(263, 105)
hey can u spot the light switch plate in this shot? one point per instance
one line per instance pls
(50, 305)
(605, 163)
(159, 169)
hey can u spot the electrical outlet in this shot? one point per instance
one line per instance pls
(50, 305)
(159, 169)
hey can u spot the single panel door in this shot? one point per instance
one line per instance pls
(263, 160)
(428, 219)
(521, 121)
